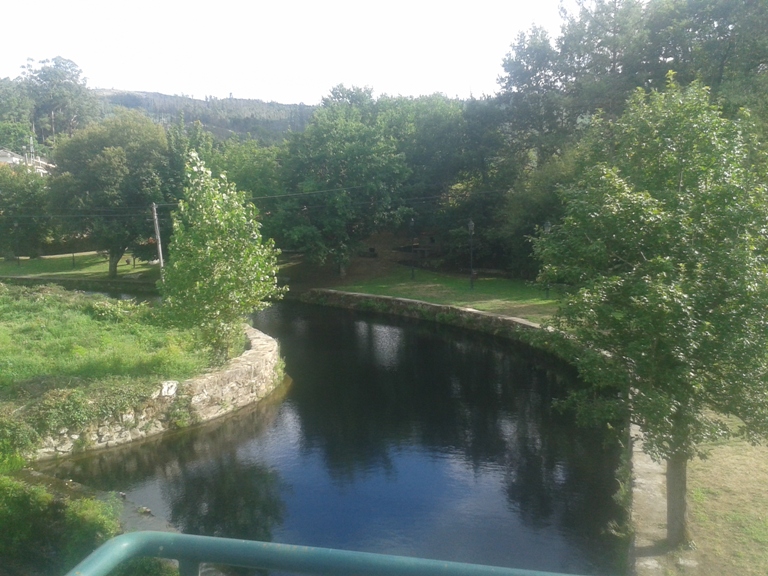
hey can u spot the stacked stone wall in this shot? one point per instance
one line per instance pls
(243, 381)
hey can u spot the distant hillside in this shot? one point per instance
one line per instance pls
(268, 122)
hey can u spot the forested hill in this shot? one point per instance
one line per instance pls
(267, 122)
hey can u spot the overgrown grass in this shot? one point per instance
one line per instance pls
(86, 266)
(498, 295)
(69, 358)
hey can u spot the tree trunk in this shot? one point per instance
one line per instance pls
(677, 503)
(114, 260)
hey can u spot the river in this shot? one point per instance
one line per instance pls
(395, 436)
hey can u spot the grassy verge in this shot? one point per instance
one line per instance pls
(67, 360)
(86, 266)
(498, 295)
(729, 510)
(70, 358)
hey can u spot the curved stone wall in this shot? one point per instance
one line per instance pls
(241, 382)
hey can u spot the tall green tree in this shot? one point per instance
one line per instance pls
(107, 177)
(15, 116)
(251, 166)
(341, 179)
(220, 267)
(16, 105)
(62, 101)
(26, 226)
(664, 251)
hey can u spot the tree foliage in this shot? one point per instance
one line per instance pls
(663, 247)
(107, 177)
(220, 267)
(62, 102)
(25, 225)
(342, 177)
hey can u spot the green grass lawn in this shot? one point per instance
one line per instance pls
(86, 265)
(498, 295)
(67, 357)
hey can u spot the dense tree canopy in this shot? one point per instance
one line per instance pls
(26, 227)
(61, 101)
(664, 251)
(342, 177)
(107, 177)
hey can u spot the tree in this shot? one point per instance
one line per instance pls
(107, 177)
(664, 251)
(25, 224)
(220, 268)
(62, 102)
(251, 166)
(16, 105)
(15, 116)
(341, 176)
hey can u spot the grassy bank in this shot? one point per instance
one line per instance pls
(729, 510)
(91, 266)
(497, 295)
(69, 359)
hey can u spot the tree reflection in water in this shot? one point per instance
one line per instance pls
(226, 498)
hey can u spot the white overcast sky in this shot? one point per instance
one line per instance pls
(283, 51)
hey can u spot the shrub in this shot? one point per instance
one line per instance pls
(48, 533)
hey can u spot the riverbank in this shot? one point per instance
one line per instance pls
(728, 507)
(81, 373)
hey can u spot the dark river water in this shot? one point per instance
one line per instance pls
(396, 437)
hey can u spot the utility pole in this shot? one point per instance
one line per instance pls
(471, 227)
(157, 237)
(413, 241)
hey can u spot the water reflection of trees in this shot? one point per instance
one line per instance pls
(226, 497)
(209, 488)
(472, 396)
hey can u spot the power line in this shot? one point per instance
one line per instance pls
(127, 212)
(308, 193)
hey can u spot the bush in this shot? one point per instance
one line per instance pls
(88, 523)
(30, 511)
(50, 534)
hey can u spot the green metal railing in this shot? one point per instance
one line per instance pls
(191, 551)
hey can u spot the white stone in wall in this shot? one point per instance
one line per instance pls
(169, 388)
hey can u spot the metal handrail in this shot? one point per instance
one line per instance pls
(191, 551)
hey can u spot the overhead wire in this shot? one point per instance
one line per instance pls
(127, 212)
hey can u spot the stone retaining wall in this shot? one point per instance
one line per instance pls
(243, 381)
(487, 322)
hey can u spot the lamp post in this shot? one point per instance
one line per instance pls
(413, 264)
(471, 227)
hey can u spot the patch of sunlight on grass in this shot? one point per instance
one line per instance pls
(497, 295)
(729, 509)
(87, 265)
